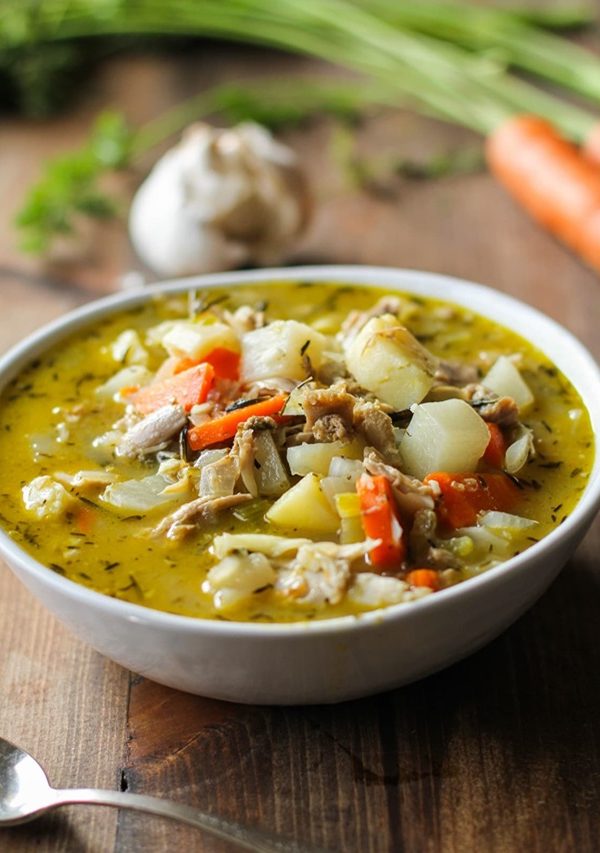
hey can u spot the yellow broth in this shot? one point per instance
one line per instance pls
(116, 557)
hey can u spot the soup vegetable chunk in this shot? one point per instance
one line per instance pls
(288, 452)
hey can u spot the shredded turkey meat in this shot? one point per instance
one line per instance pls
(187, 517)
(334, 414)
(456, 373)
(498, 410)
(331, 428)
(320, 572)
(243, 450)
(152, 431)
(377, 429)
(324, 402)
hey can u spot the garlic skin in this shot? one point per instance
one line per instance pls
(217, 200)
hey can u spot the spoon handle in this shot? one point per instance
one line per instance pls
(244, 837)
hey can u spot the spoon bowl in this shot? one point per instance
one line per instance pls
(24, 788)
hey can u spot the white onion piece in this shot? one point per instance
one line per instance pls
(399, 434)
(505, 521)
(262, 543)
(487, 543)
(135, 374)
(140, 496)
(340, 466)
(42, 444)
(207, 457)
(316, 458)
(83, 479)
(332, 486)
(520, 451)
(271, 478)
(103, 447)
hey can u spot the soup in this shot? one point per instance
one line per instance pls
(290, 452)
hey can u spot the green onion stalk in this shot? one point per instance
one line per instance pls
(441, 78)
(501, 33)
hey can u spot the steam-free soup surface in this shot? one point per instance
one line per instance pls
(382, 446)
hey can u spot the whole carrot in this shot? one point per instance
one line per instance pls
(552, 179)
(591, 144)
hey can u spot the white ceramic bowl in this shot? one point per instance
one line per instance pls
(341, 658)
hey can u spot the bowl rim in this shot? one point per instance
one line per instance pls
(409, 280)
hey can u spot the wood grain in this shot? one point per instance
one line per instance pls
(67, 706)
(499, 753)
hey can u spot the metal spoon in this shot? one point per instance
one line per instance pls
(25, 794)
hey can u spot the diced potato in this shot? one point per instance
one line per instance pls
(195, 340)
(444, 436)
(316, 458)
(505, 380)
(304, 507)
(388, 360)
(278, 350)
(46, 498)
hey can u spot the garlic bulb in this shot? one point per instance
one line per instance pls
(217, 200)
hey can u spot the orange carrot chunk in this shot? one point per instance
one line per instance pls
(187, 388)
(424, 577)
(552, 179)
(464, 496)
(496, 449)
(226, 363)
(224, 428)
(184, 364)
(591, 145)
(380, 520)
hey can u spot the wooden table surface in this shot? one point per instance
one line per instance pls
(498, 753)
